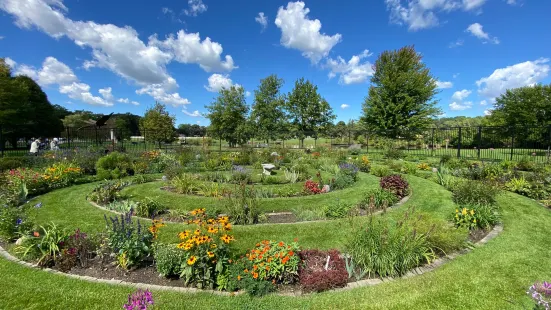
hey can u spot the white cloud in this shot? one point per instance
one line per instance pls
(456, 75)
(477, 30)
(344, 106)
(1, 37)
(52, 72)
(123, 100)
(301, 33)
(198, 122)
(10, 62)
(262, 20)
(192, 114)
(247, 93)
(443, 85)
(195, 7)
(421, 14)
(351, 72)
(219, 81)
(460, 106)
(457, 43)
(521, 74)
(166, 10)
(119, 49)
(460, 95)
(163, 93)
(488, 112)
(81, 91)
(106, 94)
(135, 103)
(188, 48)
(483, 102)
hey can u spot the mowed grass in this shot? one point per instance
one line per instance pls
(494, 276)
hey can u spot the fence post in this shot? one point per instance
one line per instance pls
(512, 141)
(459, 144)
(479, 141)
(2, 143)
(432, 143)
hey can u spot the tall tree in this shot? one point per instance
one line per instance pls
(158, 125)
(526, 106)
(340, 130)
(77, 120)
(308, 111)
(401, 95)
(268, 112)
(61, 111)
(228, 116)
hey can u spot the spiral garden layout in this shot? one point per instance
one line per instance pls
(274, 229)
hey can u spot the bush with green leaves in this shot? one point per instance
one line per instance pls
(341, 181)
(107, 192)
(440, 234)
(385, 249)
(148, 207)
(518, 185)
(470, 192)
(14, 222)
(337, 209)
(130, 242)
(123, 206)
(186, 183)
(242, 205)
(44, 243)
(378, 199)
(381, 171)
(114, 166)
(169, 259)
(483, 216)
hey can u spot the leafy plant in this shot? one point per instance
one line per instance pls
(423, 167)
(113, 166)
(337, 209)
(139, 300)
(381, 171)
(396, 185)
(123, 206)
(352, 269)
(476, 216)
(291, 175)
(148, 207)
(272, 260)
(378, 199)
(540, 293)
(241, 174)
(364, 164)
(131, 242)
(322, 270)
(47, 242)
(242, 205)
(169, 259)
(185, 184)
(471, 192)
(107, 192)
(518, 185)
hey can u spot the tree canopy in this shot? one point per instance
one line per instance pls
(158, 124)
(524, 106)
(228, 116)
(401, 94)
(268, 112)
(192, 130)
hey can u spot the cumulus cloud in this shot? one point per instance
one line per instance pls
(10, 62)
(81, 91)
(163, 92)
(457, 43)
(195, 7)
(351, 72)
(344, 106)
(460, 95)
(106, 94)
(443, 85)
(219, 81)
(460, 106)
(192, 114)
(123, 100)
(119, 49)
(488, 112)
(301, 33)
(247, 93)
(262, 20)
(483, 102)
(477, 30)
(422, 14)
(518, 75)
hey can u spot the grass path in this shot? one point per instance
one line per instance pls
(490, 277)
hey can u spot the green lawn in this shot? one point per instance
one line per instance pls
(490, 277)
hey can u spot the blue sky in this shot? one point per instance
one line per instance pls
(124, 55)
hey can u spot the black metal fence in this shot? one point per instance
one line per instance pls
(486, 143)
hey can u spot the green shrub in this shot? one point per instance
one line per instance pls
(491, 171)
(518, 185)
(476, 216)
(242, 206)
(130, 242)
(169, 259)
(471, 192)
(122, 206)
(270, 180)
(337, 209)
(526, 164)
(342, 181)
(113, 166)
(380, 171)
(444, 178)
(14, 222)
(185, 184)
(7, 163)
(106, 192)
(148, 207)
(441, 236)
(378, 199)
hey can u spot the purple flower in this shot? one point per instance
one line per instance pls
(38, 205)
(541, 294)
(139, 300)
(18, 222)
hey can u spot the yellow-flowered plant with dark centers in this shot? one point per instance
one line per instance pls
(207, 249)
(61, 174)
(155, 227)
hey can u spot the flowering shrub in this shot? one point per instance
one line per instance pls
(240, 174)
(61, 174)
(465, 218)
(541, 294)
(139, 300)
(275, 261)
(423, 166)
(207, 249)
(33, 180)
(476, 216)
(364, 164)
(130, 242)
(312, 187)
(349, 170)
(395, 184)
(322, 270)
(107, 192)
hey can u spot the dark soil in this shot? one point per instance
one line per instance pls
(476, 235)
(281, 217)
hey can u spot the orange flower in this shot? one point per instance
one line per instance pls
(246, 271)
(255, 275)
(36, 234)
(258, 244)
(285, 260)
(255, 267)
(291, 253)
(267, 267)
(227, 226)
(281, 243)
(191, 260)
(238, 278)
(226, 238)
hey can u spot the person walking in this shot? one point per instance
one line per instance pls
(54, 145)
(34, 147)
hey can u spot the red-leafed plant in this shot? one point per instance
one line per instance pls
(314, 277)
(395, 184)
(312, 187)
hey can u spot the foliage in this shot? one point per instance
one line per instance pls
(139, 300)
(106, 192)
(86, 159)
(158, 124)
(228, 116)
(337, 209)
(312, 187)
(389, 250)
(395, 184)
(401, 94)
(444, 178)
(148, 207)
(113, 166)
(268, 111)
(206, 250)
(523, 106)
(130, 242)
(61, 174)
(541, 295)
(33, 181)
(240, 174)
(423, 166)
(381, 171)
(242, 205)
(441, 236)
(45, 243)
(81, 246)
(322, 270)
(471, 192)
(308, 111)
(476, 216)
(350, 170)
(274, 261)
(123, 206)
(14, 222)
(291, 176)
(341, 180)
(363, 164)
(378, 199)
(185, 184)
(518, 185)
(169, 259)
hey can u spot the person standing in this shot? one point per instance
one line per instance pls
(54, 145)
(34, 147)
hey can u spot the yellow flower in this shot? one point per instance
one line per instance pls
(184, 234)
(472, 212)
(213, 246)
(226, 238)
(197, 232)
(212, 229)
(210, 254)
(181, 245)
(474, 221)
(227, 226)
(191, 260)
(464, 211)
(456, 211)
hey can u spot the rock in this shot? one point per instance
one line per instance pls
(20, 241)
(326, 188)
(434, 170)
(267, 169)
